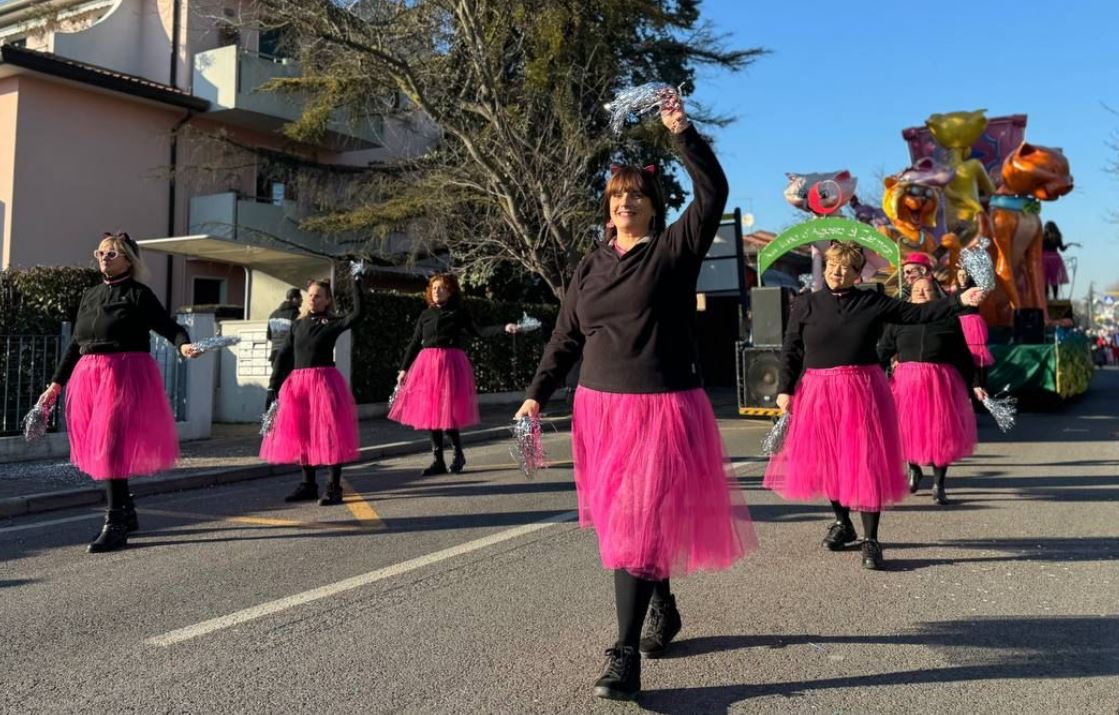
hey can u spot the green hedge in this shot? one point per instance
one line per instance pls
(36, 301)
(381, 337)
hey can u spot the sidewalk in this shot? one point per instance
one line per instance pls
(230, 455)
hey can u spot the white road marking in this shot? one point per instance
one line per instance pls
(53, 522)
(265, 609)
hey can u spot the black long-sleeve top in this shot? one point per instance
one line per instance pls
(939, 342)
(826, 330)
(445, 327)
(632, 317)
(310, 342)
(117, 318)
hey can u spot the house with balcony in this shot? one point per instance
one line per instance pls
(102, 103)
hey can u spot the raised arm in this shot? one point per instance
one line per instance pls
(893, 310)
(357, 302)
(694, 232)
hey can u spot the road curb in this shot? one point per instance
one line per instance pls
(95, 494)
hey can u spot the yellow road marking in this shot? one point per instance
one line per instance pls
(253, 520)
(362, 510)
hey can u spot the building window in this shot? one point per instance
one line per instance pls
(209, 291)
(272, 44)
(20, 42)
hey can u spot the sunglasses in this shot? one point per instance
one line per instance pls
(107, 255)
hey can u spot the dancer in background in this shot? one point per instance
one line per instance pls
(930, 386)
(843, 442)
(975, 329)
(437, 390)
(118, 416)
(1052, 245)
(316, 422)
(650, 470)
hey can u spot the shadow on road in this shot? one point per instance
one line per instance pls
(978, 649)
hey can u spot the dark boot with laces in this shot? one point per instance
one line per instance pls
(333, 495)
(621, 680)
(915, 475)
(306, 491)
(872, 554)
(839, 535)
(661, 626)
(114, 534)
(438, 466)
(458, 462)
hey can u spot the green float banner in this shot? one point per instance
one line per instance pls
(827, 229)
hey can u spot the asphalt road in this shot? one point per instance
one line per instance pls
(475, 593)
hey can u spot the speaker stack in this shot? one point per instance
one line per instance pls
(759, 362)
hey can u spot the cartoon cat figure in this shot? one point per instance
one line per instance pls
(821, 194)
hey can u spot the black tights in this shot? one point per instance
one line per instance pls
(116, 493)
(632, 596)
(335, 475)
(870, 519)
(939, 473)
(437, 439)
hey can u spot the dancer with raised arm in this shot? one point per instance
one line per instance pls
(650, 469)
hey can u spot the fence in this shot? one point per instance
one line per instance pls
(28, 362)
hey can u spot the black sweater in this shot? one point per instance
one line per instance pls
(939, 342)
(116, 318)
(310, 342)
(444, 328)
(830, 331)
(632, 317)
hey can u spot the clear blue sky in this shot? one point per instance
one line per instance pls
(845, 78)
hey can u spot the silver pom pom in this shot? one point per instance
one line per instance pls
(977, 262)
(775, 440)
(1004, 410)
(357, 268)
(268, 419)
(395, 392)
(527, 323)
(36, 421)
(638, 101)
(527, 448)
(215, 343)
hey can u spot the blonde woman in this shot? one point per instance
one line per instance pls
(118, 416)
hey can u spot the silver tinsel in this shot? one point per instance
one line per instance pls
(638, 101)
(268, 419)
(527, 323)
(216, 342)
(775, 440)
(279, 326)
(977, 262)
(1004, 410)
(36, 421)
(357, 268)
(395, 392)
(527, 448)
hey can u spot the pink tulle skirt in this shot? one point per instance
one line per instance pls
(842, 442)
(438, 392)
(316, 421)
(118, 417)
(1054, 267)
(975, 333)
(653, 481)
(935, 416)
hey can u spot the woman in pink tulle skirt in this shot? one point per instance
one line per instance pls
(315, 421)
(930, 385)
(650, 471)
(1052, 264)
(118, 417)
(843, 442)
(436, 388)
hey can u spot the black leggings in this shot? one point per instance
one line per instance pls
(870, 519)
(116, 493)
(335, 475)
(437, 439)
(631, 597)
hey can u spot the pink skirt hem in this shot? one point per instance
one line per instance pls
(438, 392)
(316, 421)
(935, 417)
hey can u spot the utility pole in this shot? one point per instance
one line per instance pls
(1091, 303)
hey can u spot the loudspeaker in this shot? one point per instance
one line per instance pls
(1029, 326)
(758, 371)
(769, 312)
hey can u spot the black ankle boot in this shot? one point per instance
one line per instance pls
(621, 680)
(130, 518)
(437, 467)
(114, 534)
(839, 535)
(661, 626)
(915, 476)
(938, 494)
(458, 462)
(872, 554)
(306, 491)
(333, 495)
